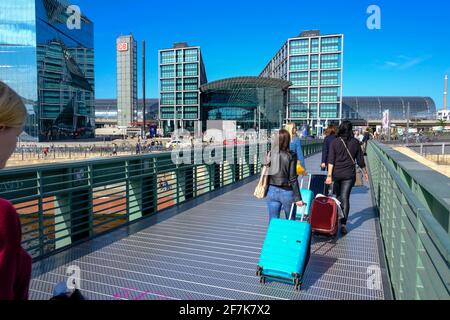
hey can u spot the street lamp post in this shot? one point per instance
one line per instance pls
(408, 115)
(144, 135)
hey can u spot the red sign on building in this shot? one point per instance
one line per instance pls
(123, 46)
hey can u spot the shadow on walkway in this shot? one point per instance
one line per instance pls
(356, 220)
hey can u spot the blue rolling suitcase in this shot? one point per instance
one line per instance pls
(286, 251)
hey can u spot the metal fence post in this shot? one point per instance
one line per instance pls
(40, 213)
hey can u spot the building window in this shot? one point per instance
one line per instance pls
(331, 44)
(190, 84)
(329, 61)
(314, 94)
(179, 70)
(179, 56)
(314, 78)
(179, 84)
(191, 69)
(299, 78)
(167, 57)
(179, 98)
(299, 46)
(298, 63)
(329, 110)
(313, 110)
(298, 111)
(314, 45)
(314, 61)
(167, 98)
(168, 71)
(329, 78)
(168, 85)
(191, 98)
(329, 94)
(191, 55)
(298, 95)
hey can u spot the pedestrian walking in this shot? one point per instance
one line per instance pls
(330, 136)
(296, 147)
(15, 262)
(114, 150)
(138, 148)
(345, 152)
(366, 140)
(284, 188)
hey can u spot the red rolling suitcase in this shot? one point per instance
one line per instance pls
(324, 217)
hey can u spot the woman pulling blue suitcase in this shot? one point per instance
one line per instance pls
(287, 246)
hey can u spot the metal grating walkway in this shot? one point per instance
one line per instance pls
(211, 252)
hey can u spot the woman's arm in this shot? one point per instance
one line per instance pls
(331, 161)
(330, 174)
(326, 147)
(360, 158)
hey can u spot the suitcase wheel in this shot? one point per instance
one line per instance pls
(259, 272)
(298, 285)
(297, 282)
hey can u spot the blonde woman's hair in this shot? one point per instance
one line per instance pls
(290, 127)
(13, 113)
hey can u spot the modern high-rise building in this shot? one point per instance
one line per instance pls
(127, 81)
(181, 73)
(49, 61)
(314, 64)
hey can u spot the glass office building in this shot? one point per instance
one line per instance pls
(127, 81)
(106, 111)
(181, 73)
(314, 64)
(253, 102)
(370, 109)
(50, 65)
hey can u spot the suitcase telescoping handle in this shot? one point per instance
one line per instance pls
(303, 180)
(328, 190)
(294, 211)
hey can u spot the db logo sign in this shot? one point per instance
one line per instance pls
(122, 47)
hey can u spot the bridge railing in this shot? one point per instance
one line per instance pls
(431, 148)
(67, 203)
(414, 207)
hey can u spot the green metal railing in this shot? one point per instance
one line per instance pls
(67, 203)
(414, 207)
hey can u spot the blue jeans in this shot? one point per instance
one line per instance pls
(278, 199)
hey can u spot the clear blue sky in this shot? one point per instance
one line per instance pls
(409, 55)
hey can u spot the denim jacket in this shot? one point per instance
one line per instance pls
(296, 146)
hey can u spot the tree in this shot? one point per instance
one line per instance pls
(441, 123)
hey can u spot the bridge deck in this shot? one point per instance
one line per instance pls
(211, 250)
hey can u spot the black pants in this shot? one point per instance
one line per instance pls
(343, 189)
